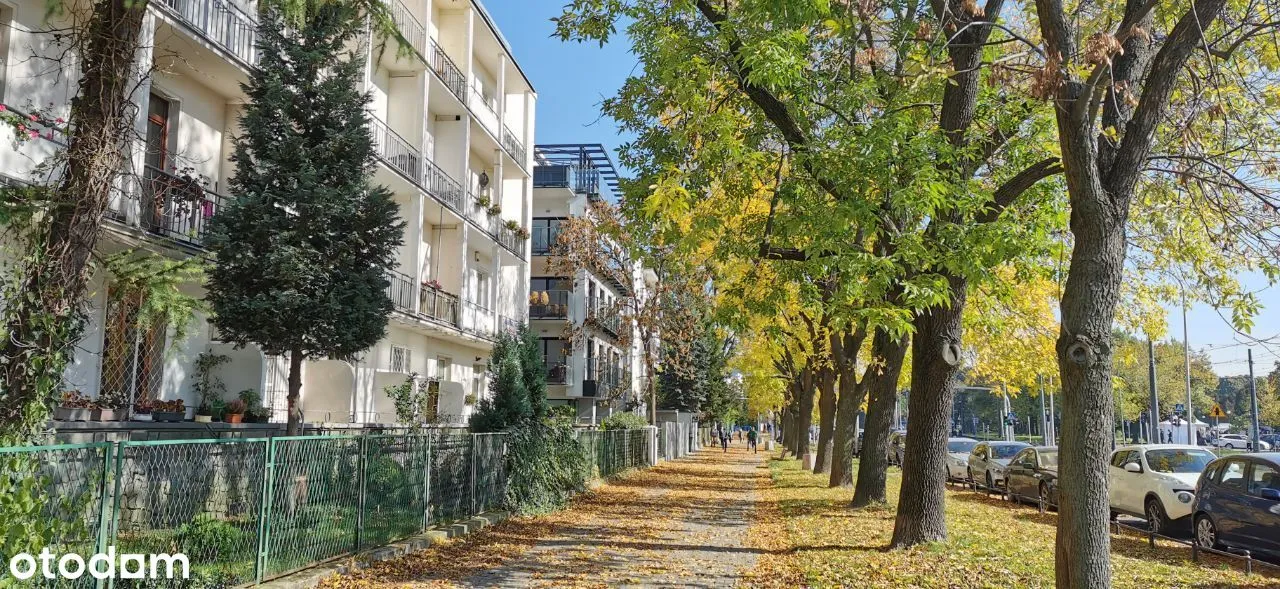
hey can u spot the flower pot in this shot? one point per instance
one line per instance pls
(234, 417)
(167, 415)
(142, 417)
(71, 414)
(104, 415)
(204, 419)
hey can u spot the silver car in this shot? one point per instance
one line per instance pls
(989, 460)
(958, 450)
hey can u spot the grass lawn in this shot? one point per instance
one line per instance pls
(992, 543)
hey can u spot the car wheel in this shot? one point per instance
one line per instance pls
(1157, 521)
(968, 475)
(990, 482)
(1206, 533)
(1044, 496)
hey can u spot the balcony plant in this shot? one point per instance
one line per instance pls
(234, 411)
(495, 210)
(106, 406)
(512, 225)
(142, 410)
(482, 201)
(254, 411)
(74, 407)
(175, 410)
(432, 284)
(522, 233)
(204, 413)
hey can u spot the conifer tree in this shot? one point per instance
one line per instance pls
(302, 250)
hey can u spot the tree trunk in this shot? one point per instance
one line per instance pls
(1083, 549)
(44, 321)
(804, 412)
(295, 390)
(882, 388)
(935, 358)
(826, 418)
(846, 429)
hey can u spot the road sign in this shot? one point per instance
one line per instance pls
(1179, 408)
(1217, 411)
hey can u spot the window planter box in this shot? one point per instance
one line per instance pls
(106, 415)
(167, 415)
(72, 414)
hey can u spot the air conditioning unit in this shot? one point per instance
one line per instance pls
(589, 388)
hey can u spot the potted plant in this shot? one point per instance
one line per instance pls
(512, 225)
(73, 407)
(482, 201)
(142, 410)
(208, 387)
(432, 284)
(495, 210)
(107, 406)
(522, 233)
(204, 413)
(175, 410)
(254, 411)
(234, 411)
(470, 399)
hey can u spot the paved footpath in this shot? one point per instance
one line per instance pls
(682, 524)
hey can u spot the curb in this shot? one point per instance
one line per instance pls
(309, 578)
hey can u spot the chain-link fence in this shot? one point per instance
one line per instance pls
(246, 510)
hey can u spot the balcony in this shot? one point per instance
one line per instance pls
(395, 151)
(482, 106)
(605, 318)
(514, 146)
(394, 57)
(549, 304)
(438, 305)
(176, 207)
(479, 320)
(448, 71)
(602, 377)
(221, 23)
(509, 324)
(400, 289)
(557, 373)
(443, 187)
(579, 179)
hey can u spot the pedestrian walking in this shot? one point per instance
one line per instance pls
(752, 438)
(724, 439)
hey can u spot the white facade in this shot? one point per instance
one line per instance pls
(593, 352)
(451, 131)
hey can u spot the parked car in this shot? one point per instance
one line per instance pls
(988, 460)
(958, 450)
(1033, 475)
(1238, 442)
(1272, 439)
(897, 447)
(1156, 482)
(1238, 504)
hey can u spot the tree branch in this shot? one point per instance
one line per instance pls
(1012, 188)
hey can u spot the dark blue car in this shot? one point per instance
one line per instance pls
(1238, 504)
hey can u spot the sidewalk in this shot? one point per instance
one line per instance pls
(683, 523)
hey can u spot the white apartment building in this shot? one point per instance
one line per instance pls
(591, 349)
(451, 131)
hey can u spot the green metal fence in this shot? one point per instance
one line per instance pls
(247, 510)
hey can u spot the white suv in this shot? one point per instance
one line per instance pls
(1156, 482)
(1238, 442)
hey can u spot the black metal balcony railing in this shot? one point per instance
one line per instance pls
(507, 237)
(478, 93)
(509, 324)
(409, 26)
(439, 305)
(544, 238)
(443, 187)
(395, 150)
(557, 373)
(513, 145)
(176, 207)
(400, 291)
(581, 180)
(221, 22)
(603, 316)
(549, 304)
(448, 72)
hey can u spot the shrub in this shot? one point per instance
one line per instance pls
(624, 420)
(210, 538)
(545, 466)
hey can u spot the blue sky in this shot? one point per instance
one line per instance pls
(572, 79)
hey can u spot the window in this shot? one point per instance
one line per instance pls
(980, 450)
(1179, 461)
(1025, 458)
(132, 357)
(157, 155)
(477, 380)
(1263, 477)
(1049, 459)
(444, 368)
(6, 17)
(1133, 456)
(1005, 450)
(1211, 473)
(1119, 458)
(1233, 475)
(960, 446)
(400, 359)
(545, 233)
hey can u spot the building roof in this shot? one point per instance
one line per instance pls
(488, 20)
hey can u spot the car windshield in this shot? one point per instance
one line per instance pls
(1005, 451)
(1178, 461)
(962, 446)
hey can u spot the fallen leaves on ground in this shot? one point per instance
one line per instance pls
(683, 522)
(991, 544)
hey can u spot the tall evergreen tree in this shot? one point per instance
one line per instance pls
(517, 385)
(303, 248)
